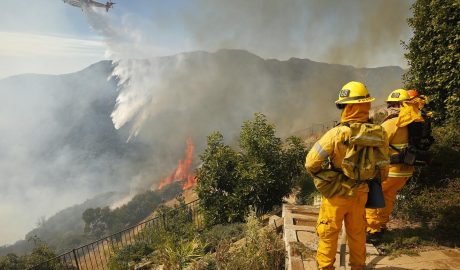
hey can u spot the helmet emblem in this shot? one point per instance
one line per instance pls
(344, 93)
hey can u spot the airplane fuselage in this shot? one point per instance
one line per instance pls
(88, 3)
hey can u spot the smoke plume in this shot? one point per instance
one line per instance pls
(162, 101)
(360, 33)
(159, 102)
(357, 32)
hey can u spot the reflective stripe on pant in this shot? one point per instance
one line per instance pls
(378, 218)
(333, 211)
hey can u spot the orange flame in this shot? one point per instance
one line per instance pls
(182, 171)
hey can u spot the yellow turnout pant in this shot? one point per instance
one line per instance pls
(333, 211)
(378, 218)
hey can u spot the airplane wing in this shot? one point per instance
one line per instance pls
(89, 3)
(75, 3)
(96, 4)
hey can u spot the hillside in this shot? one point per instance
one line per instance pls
(64, 225)
(59, 145)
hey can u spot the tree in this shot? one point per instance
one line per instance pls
(218, 180)
(260, 175)
(103, 221)
(433, 55)
(12, 262)
(41, 253)
(266, 167)
(97, 221)
(295, 167)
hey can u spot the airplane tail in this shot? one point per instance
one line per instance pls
(109, 5)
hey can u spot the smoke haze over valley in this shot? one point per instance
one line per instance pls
(60, 146)
(122, 124)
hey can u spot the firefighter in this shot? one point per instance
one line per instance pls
(339, 204)
(402, 112)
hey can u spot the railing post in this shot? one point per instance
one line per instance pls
(76, 259)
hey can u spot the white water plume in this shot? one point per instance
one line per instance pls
(143, 90)
(140, 82)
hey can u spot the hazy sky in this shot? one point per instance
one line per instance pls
(51, 37)
(33, 33)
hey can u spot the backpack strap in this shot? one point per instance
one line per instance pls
(347, 124)
(397, 150)
(391, 116)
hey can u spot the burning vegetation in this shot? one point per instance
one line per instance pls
(182, 173)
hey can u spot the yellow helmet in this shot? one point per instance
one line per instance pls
(354, 92)
(398, 95)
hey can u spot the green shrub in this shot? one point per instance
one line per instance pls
(229, 233)
(122, 258)
(260, 175)
(433, 53)
(177, 255)
(446, 157)
(40, 253)
(163, 242)
(12, 262)
(104, 221)
(263, 249)
(306, 190)
(431, 196)
(437, 208)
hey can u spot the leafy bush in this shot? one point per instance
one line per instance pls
(12, 262)
(444, 168)
(260, 175)
(431, 196)
(177, 255)
(436, 208)
(134, 253)
(180, 245)
(306, 190)
(262, 250)
(40, 253)
(446, 157)
(167, 241)
(218, 182)
(220, 233)
(433, 53)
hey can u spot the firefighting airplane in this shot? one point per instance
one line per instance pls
(89, 3)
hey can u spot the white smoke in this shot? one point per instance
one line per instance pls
(139, 82)
(356, 32)
(142, 87)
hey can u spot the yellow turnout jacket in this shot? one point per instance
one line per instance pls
(398, 137)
